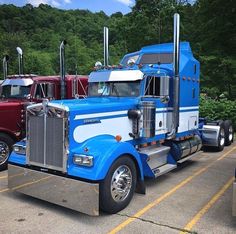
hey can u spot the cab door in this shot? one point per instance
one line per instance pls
(44, 90)
(153, 92)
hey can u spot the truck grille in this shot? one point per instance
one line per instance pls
(47, 139)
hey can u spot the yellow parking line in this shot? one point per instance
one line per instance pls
(164, 196)
(4, 177)
(224, 155)
(4, 190)
(214, 199)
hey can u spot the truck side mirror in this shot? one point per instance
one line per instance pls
(164, 86)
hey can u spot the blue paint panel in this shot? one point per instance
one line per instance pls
(98, 104)
(146, 169)
(17, 158)
(105, 150)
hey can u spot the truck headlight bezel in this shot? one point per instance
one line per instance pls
(83, 160)
(19, 149)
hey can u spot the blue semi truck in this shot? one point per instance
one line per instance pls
(140, 119)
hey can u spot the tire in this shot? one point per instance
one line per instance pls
(229, 132)
(112, 200)
(6, 144)
(221, 138)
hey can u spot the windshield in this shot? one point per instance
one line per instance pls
(15, 91)
(116, 89)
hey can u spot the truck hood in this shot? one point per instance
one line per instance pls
(98, 105)
(10, 113)
(6, 105)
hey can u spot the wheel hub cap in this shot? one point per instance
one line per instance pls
(230, 133)
(222, 137)
(4, 152)
(121, 183)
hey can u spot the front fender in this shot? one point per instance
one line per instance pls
(105, 150)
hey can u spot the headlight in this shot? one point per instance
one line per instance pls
(83, 160)
(19, 149)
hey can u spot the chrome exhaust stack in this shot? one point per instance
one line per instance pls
(62, 69)
(20, 60)
(106, 46)
(176, 84)
(5, 66)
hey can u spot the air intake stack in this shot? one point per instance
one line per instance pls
(5, 66)
(106, 46)
(176, 84)
(20, 59)
(62, 69)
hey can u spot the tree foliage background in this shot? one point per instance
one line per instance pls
(208, 25)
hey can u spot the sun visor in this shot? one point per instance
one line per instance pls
(127, 75)
(20, 82)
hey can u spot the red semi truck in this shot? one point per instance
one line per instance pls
(18, 91)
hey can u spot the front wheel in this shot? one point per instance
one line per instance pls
(6, 144)
(117, 189)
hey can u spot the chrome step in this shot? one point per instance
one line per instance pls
(157, 155)
(188, 157)
(163, 169)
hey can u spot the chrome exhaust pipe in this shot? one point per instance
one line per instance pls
(106, 46)
(62, 69)
(5, 66)
(176, 84)
(20, 60)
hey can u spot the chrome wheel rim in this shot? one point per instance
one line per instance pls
(4, 152)
(121, 183)
(222, 137)
(231, 133)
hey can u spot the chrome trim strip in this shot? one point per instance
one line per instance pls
(73, 194)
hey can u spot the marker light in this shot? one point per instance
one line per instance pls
(98, 65)
(118, 138)
(131, 62)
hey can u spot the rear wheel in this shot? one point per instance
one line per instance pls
(6, 144)
(221, 138)
(117, 189)
(229, 132)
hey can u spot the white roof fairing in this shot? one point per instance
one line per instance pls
(117, 75)
(20, 82)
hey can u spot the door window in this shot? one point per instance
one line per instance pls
(152, 86)
(44, 90)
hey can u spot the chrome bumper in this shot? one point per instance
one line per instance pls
(234, 198)
(74, 194)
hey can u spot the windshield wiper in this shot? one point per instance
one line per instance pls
(114, 88)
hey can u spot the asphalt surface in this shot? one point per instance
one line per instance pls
(194, 198)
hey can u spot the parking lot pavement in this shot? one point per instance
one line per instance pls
(194, 198)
